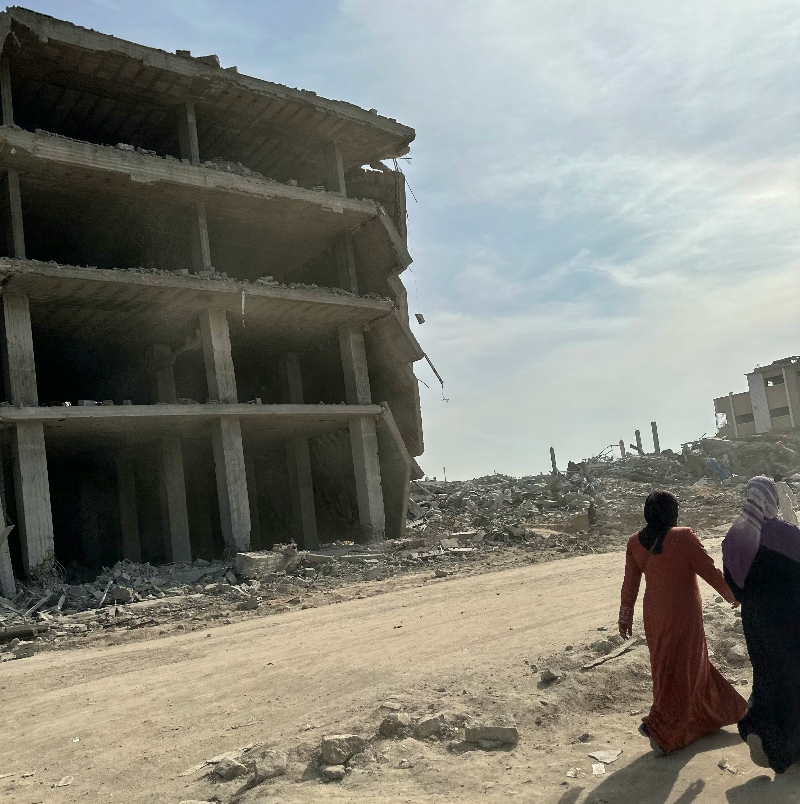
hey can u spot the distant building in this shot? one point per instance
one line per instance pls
(772, 401)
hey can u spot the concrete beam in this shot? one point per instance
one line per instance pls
(128, 509)
(346, 276)
(354, 363)
(33, 495)
(364, 445)
(12, 206)
(175, 494)
(220, 374)
(234, 503)
(334, 169)
(19, 368)
(187, 133)
(198, 234)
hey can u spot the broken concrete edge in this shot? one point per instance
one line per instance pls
(291, 291)
(46, 27)
(154, 169)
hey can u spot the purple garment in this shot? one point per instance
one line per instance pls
(781, 537)
(740, 546)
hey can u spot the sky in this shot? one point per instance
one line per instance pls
(606, 229)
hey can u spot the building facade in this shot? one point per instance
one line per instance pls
(772, 401)
(205, 341)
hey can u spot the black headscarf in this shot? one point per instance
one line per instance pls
(661, 514)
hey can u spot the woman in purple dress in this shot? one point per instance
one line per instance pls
(761, 558)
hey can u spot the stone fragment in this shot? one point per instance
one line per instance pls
(362, 760)
(231, 578)
(257, 564)
(606, 757)
(548, 676)
(338, 748)
(373, 574)
(429, 726)
(333, 773)
(24, 650)
(603, 646)
(248, 604)
(271, 765)
(120, 594)
(442, 573)
(228, 769)
(397, 724)
(490, 745)
(506, 734)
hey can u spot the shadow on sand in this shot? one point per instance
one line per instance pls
(651, 779)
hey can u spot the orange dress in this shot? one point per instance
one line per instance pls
(690, 697)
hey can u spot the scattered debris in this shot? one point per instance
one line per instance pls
(606, 757)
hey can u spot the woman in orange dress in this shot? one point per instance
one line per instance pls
(690, 697)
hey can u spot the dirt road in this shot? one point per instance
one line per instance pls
(126, 720)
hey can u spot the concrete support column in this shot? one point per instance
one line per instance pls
(8, 586)
(19, 368)
(354, 363)
(298, 461)
(33, 495)
(216, 339)
(128, 509)
(163, 377)
(656, 444)
(334, 168)
(201, 246)
(234, 503)
(12, 213)
(251, 470)
(345, 262)
(175, 496)
(173, 476)
(363, 438)
(733, 422)
(639, 447)
(789, 384)
(364, 444)
(187, 133)
(5, 92)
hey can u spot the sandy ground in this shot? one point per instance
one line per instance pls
(126, 720)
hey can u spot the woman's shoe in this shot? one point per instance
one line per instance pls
(757, 754)
(657, 749)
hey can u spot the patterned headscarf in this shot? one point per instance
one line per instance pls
(740, 546)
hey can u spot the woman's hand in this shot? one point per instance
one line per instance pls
(734, 604)
(626, 630)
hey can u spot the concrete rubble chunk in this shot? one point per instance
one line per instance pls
(395, 725)
(228, 769)
(257, 564)
(271, 765)
(548, 676)
(499, 733)
(333, 773)
(429, 726)
(338, 748)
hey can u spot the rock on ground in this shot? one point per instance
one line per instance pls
(338, 748)
(395, 725)
(333, 773)
(507, 735)
(228, 769)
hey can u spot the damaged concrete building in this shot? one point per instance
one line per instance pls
(771, 403)
(206, 345)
